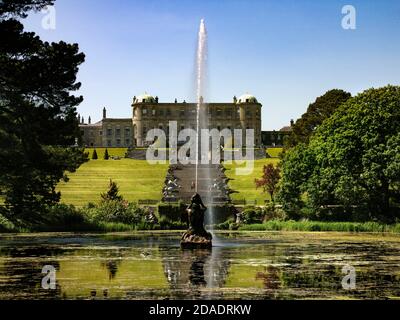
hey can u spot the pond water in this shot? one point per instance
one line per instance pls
(151, 265)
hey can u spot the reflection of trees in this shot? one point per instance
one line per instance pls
(194, 273)
(270, 278)
(23, 271)
(112, 267)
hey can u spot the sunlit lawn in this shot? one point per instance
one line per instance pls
(245, 185)
(136, 178)
(274, 152)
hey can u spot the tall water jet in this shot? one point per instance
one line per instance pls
(196, 236)
(201, 58)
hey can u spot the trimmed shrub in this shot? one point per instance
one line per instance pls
(94, 155)
(173, 212)
(106, 155)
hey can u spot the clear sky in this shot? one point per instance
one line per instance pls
(285, 52)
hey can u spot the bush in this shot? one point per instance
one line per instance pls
(221, 213)
(273, 213)
(6, 225)
(62, 217)
(166, 224)
(172, 212)
(117, 212)
(252, 215)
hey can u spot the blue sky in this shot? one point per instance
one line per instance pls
(285, 52)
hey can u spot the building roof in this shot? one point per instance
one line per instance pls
(247, 98)
(144, 98)
(286, 129)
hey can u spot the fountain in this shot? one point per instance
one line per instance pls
(196, 236)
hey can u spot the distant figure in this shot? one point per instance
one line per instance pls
(193, 185)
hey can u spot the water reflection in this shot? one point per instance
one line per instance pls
(153, 266)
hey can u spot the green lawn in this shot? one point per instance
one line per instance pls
(136, 178)
(245, 184)
(274, 152)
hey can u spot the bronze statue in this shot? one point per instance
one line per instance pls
(196, 236)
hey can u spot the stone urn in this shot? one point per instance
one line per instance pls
(196, 237)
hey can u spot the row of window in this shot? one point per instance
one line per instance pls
(187, 113)
(118, 143)
(182, 127)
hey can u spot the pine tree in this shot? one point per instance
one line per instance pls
(94, 155)
(38, 120)
(106, 155)
(112, 194)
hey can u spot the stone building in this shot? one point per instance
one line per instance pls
(108, 132)
(148, 113)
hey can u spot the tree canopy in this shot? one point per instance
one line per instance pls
(352, 161)
(38, 120)
(317, 112)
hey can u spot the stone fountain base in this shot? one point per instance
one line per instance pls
(192, 240)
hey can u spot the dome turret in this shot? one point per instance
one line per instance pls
(144, 98)
(247, 98)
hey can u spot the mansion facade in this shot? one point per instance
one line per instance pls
(148, 113)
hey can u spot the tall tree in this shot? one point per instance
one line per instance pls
(352, 160)
(317, 112)
(38, 121)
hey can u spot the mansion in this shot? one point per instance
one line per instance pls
(148, 113)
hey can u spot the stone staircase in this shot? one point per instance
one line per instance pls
(212, 185)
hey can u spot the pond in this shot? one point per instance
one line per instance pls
(151, 265)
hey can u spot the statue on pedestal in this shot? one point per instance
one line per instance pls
(196, 236)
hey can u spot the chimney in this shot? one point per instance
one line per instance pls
(90, 120)
(234, 99)
(104, 113)
(79, 118)
(83, 120)
(292, 123)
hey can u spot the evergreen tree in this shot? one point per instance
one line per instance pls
(106, 155)
(94, 155)
(112, 194)
(38, 120)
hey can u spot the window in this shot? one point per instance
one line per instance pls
(109, 143)
(145, 111)
(109, 132)
(182, 113)
(100, 133)
(219, 112)
(118, 142)
(127, 132)
(168, 112)
(127, 142)
(153, 111)
(118, 132)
